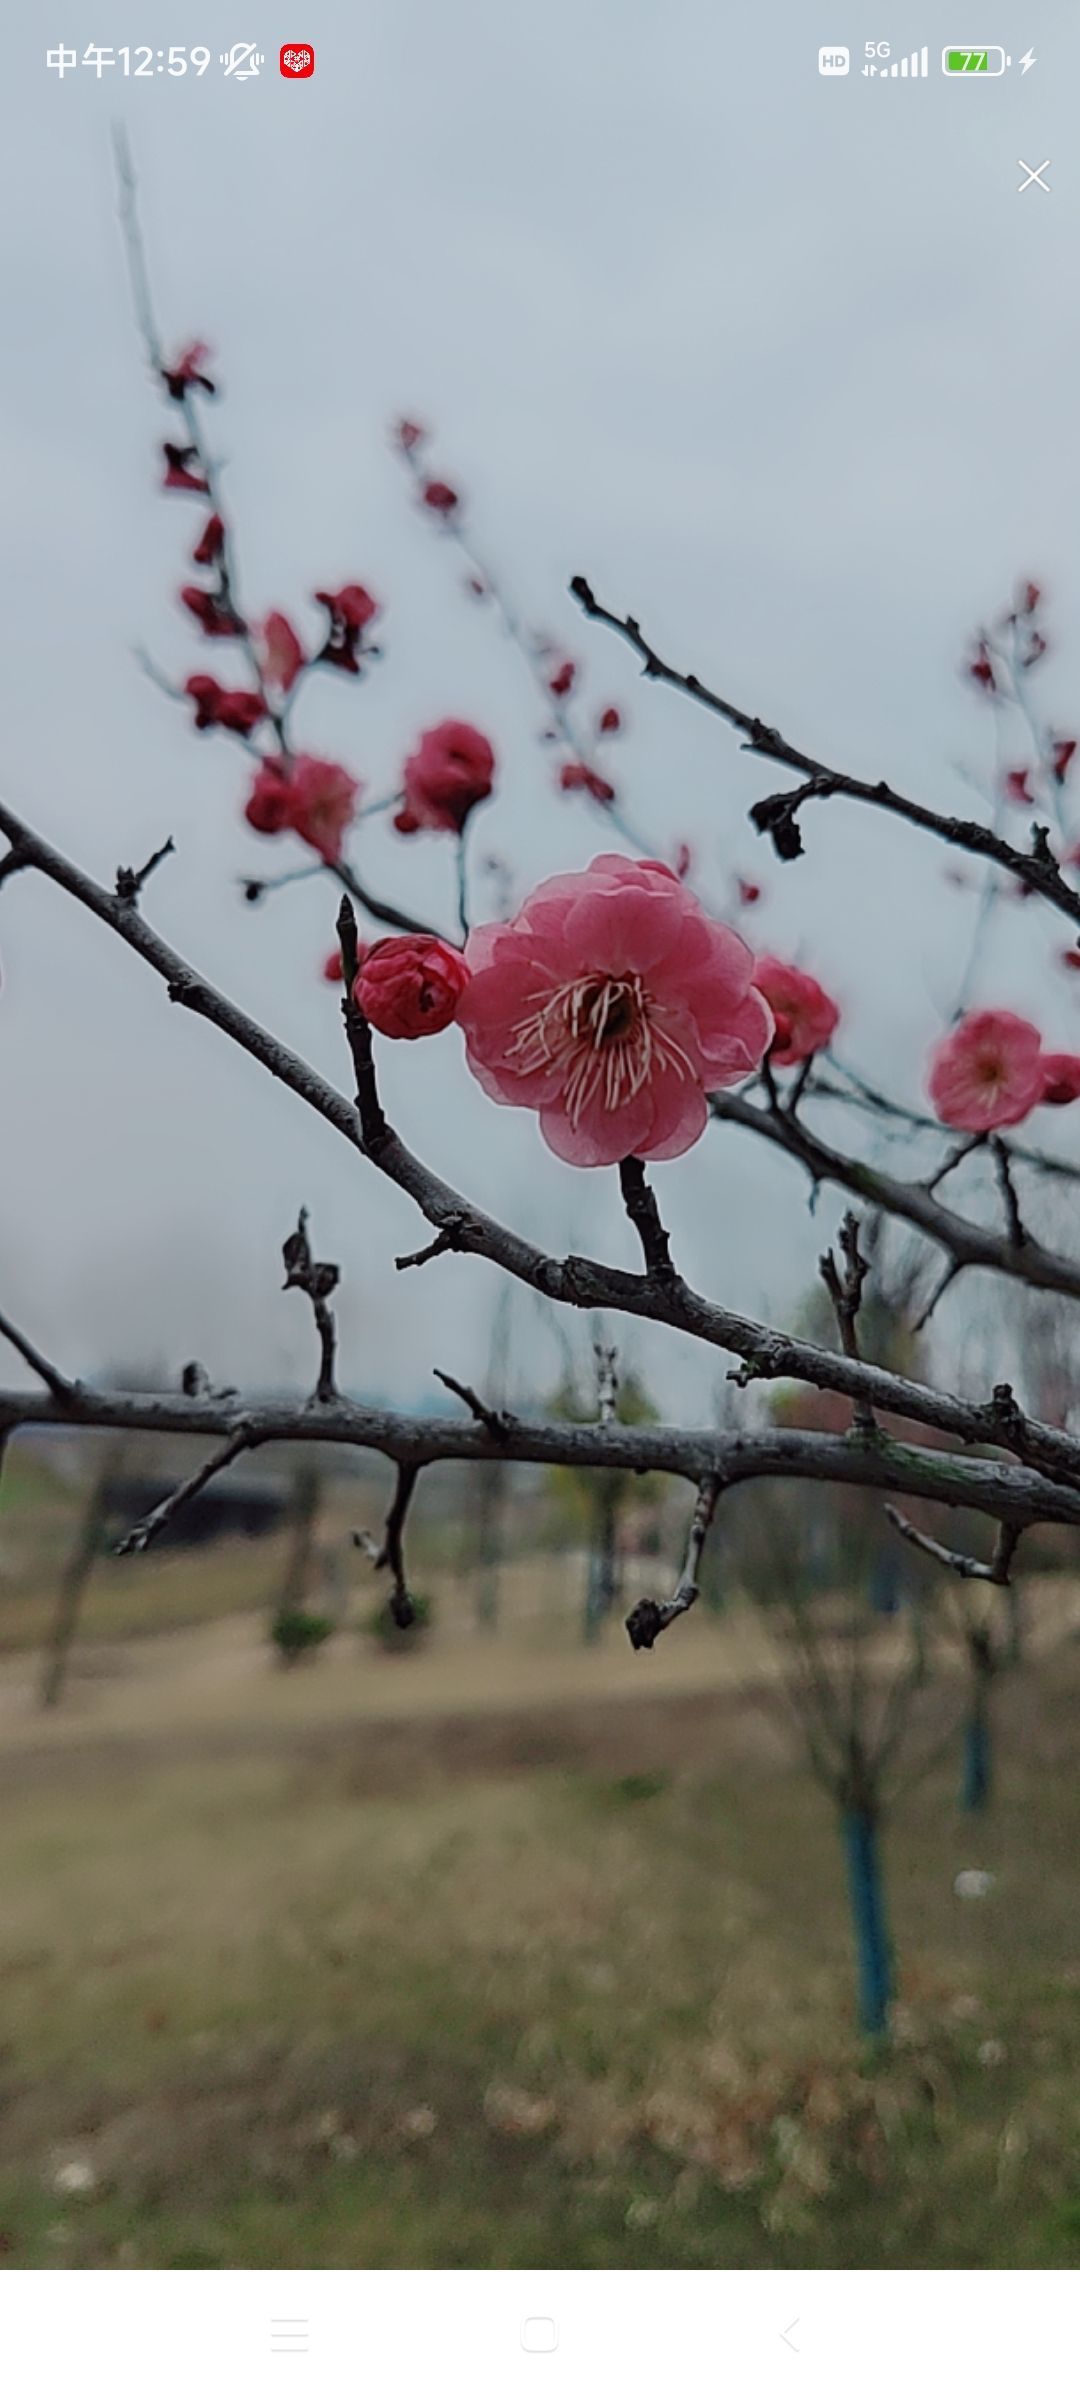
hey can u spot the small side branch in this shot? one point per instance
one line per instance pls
(318, 1278)
(499, 1421)
(130, 880)
(639, 1200)
(1007, 1188)
(69, 1394)
(390, 1552)
(651, 1618)
(373, 1126)
(997, 1569)
(146, 1531)
(844, 1285)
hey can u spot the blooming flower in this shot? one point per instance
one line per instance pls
(236, 712)
(441, 497)
(188, 369)
(216, 616)
(410, 985)
(178, 476)
(282, 654)
(612, 1005)
(451, 769)
(804, 1015)
(350, 610)
(308, 796)
(211, 542)
(1061, 1077)
(987, 1072)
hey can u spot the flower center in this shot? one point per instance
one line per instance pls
(602, 1031)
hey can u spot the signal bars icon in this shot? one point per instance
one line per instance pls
(917, 64)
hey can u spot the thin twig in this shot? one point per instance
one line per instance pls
(318, 1278)
(142, 1534)
(69, 1394)
(972, 1570)
(651, 1618)
(640, 1203)
(499, 1421)
(130, 880)
(845, 1290)
(390, 1551)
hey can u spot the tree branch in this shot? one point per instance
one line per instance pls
(390, 1552)
(585, 1283)
(1015, 1495)
(972, 1570)
(845, 1290)
(318, 1278)
(640, 1203)
(1037, 869)
(651, 1618)
(142, 1534)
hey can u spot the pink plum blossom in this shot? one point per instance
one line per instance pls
(988, 1071)
(612, 1005)
(805, 1017)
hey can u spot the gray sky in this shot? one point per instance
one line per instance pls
(784, 364)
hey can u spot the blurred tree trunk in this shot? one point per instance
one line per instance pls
(978, 1775)
(74, 1581)
(490, 1487)
(604, 1585)
(303, 1518)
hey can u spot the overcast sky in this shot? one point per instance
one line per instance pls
(784, 364)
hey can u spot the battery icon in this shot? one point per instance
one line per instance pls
(975, 62)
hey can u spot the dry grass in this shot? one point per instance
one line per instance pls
(304, 1981)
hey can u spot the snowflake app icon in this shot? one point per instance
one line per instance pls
(297, 60)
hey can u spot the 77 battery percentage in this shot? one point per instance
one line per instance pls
(957, 60)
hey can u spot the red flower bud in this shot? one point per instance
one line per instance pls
(216, 616)
(1061, 759)
(749, 893)
(683, 860)
(409, 435)
(179, 476)
(235, 712)
(187, 370)
(451, 769)
(563, 679)
(350, 610)
(1016, 786)
(610, 721)
(308, 796)
(1061, 1078)
(410, 985)
(441, 497)
(210, 544)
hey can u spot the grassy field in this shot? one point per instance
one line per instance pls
(561, 1978)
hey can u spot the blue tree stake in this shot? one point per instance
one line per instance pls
(873, 1950)
(978, 1775)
